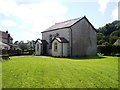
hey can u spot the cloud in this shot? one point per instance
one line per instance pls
(40, 15)
(10, 23)
(115, 11)
(115, 14)
(103, 5)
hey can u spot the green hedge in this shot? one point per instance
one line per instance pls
(28, 52)
(11, 52)
(109, 49)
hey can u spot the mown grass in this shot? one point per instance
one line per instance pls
(42, 72)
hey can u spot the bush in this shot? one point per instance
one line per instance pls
(109, 49)
(14, 52)
(28, 52)
(11, 52)
(5, 57)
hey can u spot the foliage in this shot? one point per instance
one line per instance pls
(16, 42)
(28, 52)
(113, 39)
(26, 46)
(48, 72)
(23, 45)
(115, 33)
(105, 43)
(109, 49)
(11, 52)
(14, 52)
(109, 28)
(100, 38)
(108, 33)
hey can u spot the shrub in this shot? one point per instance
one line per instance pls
(109, 49)
(5, 57)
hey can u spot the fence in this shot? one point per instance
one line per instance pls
(10, 52)
(16, 52)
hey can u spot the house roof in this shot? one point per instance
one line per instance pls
(117, 42)
(13, 45)
(44, 42)
(66, 24)
(39, 41)
(6, 35)
(60, 39)
(3, 44)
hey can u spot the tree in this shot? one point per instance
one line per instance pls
(106, 43)
(16, 42)
(23, 45)
(100, 38)
(114, 36)
(109, 28)
(108, 33)
(115, 33)
(112, 39)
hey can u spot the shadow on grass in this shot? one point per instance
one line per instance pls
(81, 58)
(86, 58)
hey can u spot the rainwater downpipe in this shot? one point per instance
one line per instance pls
(71, 40)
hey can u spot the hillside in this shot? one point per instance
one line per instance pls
(109, 33)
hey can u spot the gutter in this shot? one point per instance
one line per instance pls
(71, 41)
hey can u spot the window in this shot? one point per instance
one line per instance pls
(37, 47)
(55, 47)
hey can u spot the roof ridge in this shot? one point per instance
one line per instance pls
(64, 24)
(69, 20)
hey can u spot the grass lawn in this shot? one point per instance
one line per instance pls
(49, 72)
(0, 73)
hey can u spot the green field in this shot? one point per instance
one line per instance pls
(49, 72)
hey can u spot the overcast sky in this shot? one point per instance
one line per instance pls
(25, 19)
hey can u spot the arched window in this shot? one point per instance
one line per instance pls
(55, 47)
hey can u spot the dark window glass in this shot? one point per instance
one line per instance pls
(55, 47)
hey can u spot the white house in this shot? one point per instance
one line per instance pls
(60, 47)
(6, 40)
(75, 37)
(4, 46)
(40, 47)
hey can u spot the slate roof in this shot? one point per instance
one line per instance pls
(60, 39)
(44, 42)
(6, 35)
(3, 44)
(66, 24)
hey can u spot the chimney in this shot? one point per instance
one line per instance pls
(8, 35)
(6, 31)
